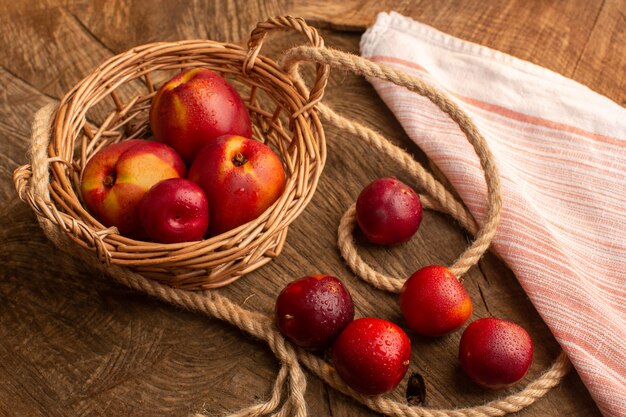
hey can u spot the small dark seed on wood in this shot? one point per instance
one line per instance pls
(416, 390)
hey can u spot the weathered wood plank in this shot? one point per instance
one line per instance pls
(18, 102)
(561, 36)
(53, 51)
(602, 64)
(122, 24)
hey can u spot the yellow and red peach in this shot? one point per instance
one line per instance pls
(313, 310)
(241, 178)
(116, 178)
(195, 107)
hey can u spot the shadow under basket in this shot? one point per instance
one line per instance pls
(112, 104)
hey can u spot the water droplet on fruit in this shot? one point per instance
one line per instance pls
(240, 191)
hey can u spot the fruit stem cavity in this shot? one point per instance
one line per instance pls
(239, 159)
(109, 180)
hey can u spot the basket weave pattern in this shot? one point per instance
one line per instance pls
(283, 115)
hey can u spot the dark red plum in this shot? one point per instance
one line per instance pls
(313, 310)
(175, 210)
(388, 211)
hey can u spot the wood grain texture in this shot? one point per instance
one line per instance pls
(73, 343)
(584, 40)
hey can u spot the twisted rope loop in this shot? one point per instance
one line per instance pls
(362, 66)
(31, 183)
(298, 24)
(287, 394)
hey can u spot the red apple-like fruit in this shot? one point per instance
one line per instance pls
(241, 178)
(313, 310)
(495, 353)
(116, 178)
(434, 302)
(194, 108)
(372, 355)
(388, 211)
(175, 210)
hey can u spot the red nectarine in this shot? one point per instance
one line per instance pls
(495, 353)
(372, 355)
(434, 302)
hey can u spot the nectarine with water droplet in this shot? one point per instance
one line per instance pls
(495, 353)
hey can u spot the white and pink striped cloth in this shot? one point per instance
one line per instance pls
(561, 151)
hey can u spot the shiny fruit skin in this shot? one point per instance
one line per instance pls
(495, 353)
(388, 211)
(116, 178)
(372, 355)
(241, 178)
(194, 108)
(174, 211)
(434, 302)
(313, 310)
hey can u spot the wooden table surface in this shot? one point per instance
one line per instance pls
(74, 343)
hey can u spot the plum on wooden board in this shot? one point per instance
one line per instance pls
(388, 211)
(495, 353)
(116, 178)
(372, 355)
(241, 178)
(434, 302)
(313, 310)
(195, 107)
(175, 210)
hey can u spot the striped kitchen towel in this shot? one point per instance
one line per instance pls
(561, 151)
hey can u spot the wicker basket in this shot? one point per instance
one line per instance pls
(283, 115)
